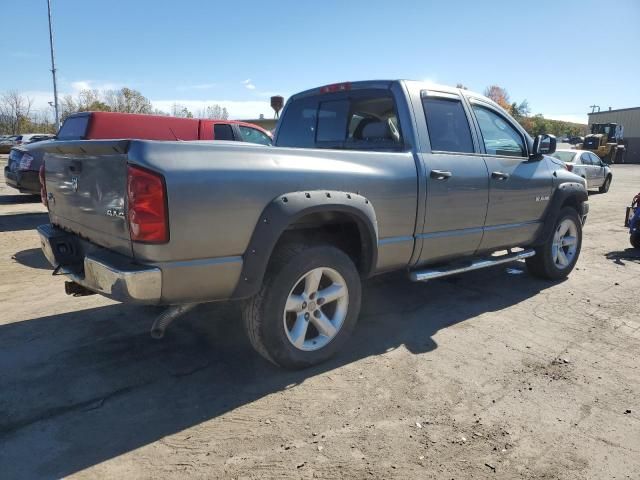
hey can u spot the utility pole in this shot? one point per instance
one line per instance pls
(593, 108)
(53, 68)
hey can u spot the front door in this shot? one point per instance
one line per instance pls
(457, 181)
(519, 188)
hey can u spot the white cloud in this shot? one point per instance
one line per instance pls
(248, 84)
(199, 86)
(40, 100)
(79, 85)
(238, 109)
(569, 117)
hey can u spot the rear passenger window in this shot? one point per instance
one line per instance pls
(359, 120)
(222, 131)
(499, 137)
(447, 124)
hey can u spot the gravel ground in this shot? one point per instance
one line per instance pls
(492, 374)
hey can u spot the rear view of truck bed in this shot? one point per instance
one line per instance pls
(86, 186)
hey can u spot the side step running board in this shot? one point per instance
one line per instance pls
(475, 264)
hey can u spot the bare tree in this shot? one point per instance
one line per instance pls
(15, 109)
(127, 100)
(214, 112)
(180, 111)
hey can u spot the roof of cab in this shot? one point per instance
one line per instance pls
(425, 85)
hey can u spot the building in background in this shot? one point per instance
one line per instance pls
(266, 123)
(629, 118)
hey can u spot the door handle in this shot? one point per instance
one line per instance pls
(440, 174)
(499, 175)
(75, 167)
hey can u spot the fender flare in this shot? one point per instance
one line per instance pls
(285, 210)
(563, 192)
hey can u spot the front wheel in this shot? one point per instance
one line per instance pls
(635, 239)
(557, 257)
(605, 186)
(307, 306)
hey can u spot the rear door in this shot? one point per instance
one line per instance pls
(578, 167)
(457, 180)
(519, 189)
(587, 168)
(86, 189)
(597, 170)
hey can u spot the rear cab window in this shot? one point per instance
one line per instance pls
(223, 131)
(74, 128)
(361, 119)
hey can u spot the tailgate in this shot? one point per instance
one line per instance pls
(86, 188)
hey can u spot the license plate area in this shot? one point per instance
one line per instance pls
(62, 249)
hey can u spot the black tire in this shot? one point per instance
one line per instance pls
(543, 264)
(635, 239)
(264, 314)
(605, 186)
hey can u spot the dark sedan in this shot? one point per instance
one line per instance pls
(23, 168)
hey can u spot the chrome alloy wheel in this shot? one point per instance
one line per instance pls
(565, 244)
(316, 308)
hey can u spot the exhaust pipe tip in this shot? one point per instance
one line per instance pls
(169, 315)
(157, 333)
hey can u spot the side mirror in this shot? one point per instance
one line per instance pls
(543, 145)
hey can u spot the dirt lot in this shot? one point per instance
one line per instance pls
(489, 375)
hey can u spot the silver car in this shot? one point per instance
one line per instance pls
(589, 166)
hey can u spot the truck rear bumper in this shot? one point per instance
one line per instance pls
(26, 181)
(104, 272)
(123, 279)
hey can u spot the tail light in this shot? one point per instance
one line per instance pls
(569, 166)
(43, 186)
(146, 206)
(25, 161)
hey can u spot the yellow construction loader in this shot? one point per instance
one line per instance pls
(603, 142)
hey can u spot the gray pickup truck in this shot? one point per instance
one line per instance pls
(363, 178)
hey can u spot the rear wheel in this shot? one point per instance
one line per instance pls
(557, 257)
(307, 306)
(605, 186)
(635, 239)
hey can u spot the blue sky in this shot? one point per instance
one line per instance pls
(237, 54)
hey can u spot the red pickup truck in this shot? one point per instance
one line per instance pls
(24, 163)
(113, 125)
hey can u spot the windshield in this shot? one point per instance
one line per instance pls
(564, 156)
